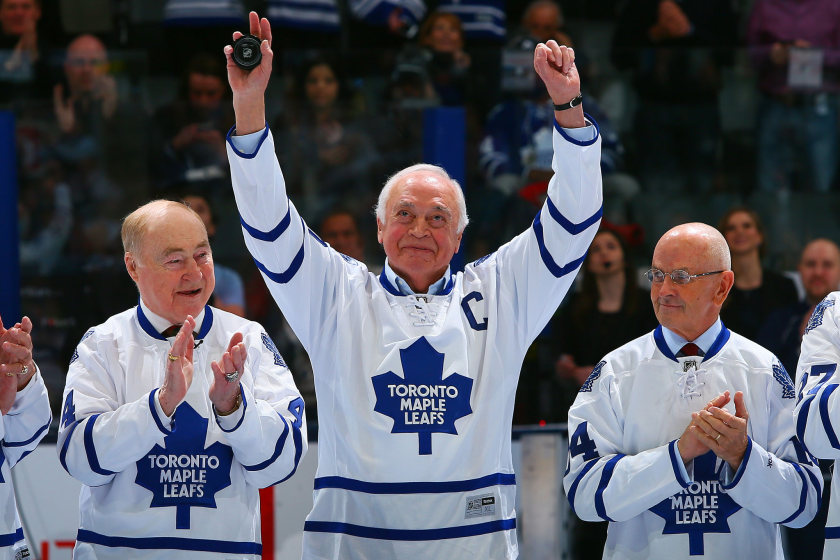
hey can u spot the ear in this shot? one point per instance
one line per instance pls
(458, 241)
(379, 231)
(131, 266)
(727, 280)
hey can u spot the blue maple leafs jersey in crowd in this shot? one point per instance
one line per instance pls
(624, 465)
(21, 429)
(415, 394)
(817, 414)
(186, 488)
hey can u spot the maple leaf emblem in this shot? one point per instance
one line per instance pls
(701, 508)
(185, 474)
(421, 401)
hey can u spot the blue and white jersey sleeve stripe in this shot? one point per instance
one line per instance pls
(315, 15)
(603, 484)
(541, 263)
(27, 422)
(268, 435)
(97, 436)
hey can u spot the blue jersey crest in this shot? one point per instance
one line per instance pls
(596, 373)
(817, 316)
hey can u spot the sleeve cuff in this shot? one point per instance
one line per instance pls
(247, 145)
(680, 471)
(232, 421)
(32, 382)
(728, 479)
(585, 136)
(164, 421)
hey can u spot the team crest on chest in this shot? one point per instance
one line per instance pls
(817, 316)
(421, 401)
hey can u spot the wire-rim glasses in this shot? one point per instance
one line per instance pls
(677, 276)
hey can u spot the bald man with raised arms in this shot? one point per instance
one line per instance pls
(683, 439)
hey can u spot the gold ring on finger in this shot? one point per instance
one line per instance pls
(173, 358)
(717, 438)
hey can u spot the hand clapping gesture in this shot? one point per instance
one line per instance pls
(225, 391)
(16, 365)
(179, 368)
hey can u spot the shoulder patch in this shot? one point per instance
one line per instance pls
(350, 260)
(781, 375)
(75, 355)
(482, 259)
(817, 317)
(269, 344)
(596, 373)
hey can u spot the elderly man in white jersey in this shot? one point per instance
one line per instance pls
(683, 439)
(416, 369)
(175, 412)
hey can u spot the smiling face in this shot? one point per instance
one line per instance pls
(420, 231)
(742, 234)
(445, 36)
(690, 309)
(605, 255)
(174, 268)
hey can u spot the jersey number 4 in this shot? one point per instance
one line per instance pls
(582, 444)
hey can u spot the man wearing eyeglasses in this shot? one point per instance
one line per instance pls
(683, 439)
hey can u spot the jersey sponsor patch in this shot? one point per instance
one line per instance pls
(184, 474)
(817, 316)
(22, 553)
(422, 402)
(269, 344)
(479, 506)
(596, 373)
(781, 375)
(703, 507)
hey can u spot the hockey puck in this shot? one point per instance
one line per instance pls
(246, 52)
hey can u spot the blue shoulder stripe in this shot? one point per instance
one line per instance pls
(410, 534)
(578, 479)
(62, 457)
(606, 476)
(40, 431)
(742, 468)
(826, 417)
(548, 260)
(340, 482)
(567, 224)
(803, 496)
(170, 543)
(242, 154)
(90, 450)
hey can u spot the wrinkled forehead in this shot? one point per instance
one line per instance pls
(174, 227)
(682, 250)
(422, 189)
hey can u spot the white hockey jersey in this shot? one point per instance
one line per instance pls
(817, 409)
(186, 488)
(415, 394)
(624, 465)
(21, 429)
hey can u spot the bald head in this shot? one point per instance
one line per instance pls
(819, 268)
(138, 223)
(704, 243)
(86, 60)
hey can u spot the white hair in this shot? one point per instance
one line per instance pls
(441, 173)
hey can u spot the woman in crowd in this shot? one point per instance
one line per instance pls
(447, 64)
(757, 291)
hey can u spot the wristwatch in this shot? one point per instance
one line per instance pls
(571, 104)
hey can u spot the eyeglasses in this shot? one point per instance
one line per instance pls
(677, 276)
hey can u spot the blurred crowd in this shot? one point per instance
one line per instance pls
(723, 111)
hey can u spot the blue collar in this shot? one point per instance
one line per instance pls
(399, 287)
(146, 325)
(711, 341)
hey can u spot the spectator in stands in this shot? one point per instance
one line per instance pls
(795, 45)
(757, 291)
(327, 158)
(90, 95)
(229, 294)
(542, 21)
(340, 229)
(188, 142)
(819, 268)
(676, 50)
(446, 62)
(21, 48)
(45, 220)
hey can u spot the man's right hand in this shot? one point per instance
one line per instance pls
(179, 372)
(249, 87)
(690, 446)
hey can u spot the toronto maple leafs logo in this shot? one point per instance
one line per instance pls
(75, 355)
(701, 508)
(184, 474)
(817, 316)
(349, 259)
(781, 375)
(269, 344)
(68, 414)
(421, 401)
(596, 373)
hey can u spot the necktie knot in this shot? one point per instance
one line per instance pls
(171, 331)
(690, 349)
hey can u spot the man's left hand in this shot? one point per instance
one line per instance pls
(556, 66)
(724, 433)
(223, 393)
(15, 357)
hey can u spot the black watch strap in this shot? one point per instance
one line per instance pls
(571, 104)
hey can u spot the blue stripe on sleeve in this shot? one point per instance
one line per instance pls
(578, 479)
(40, 431)
(241, 418)
(672, 452)
(274, 233)
(284, 277)
(340, 482)
(298, 440)
(278, 449)
(606, 475)
(826, 418)
(832, 532)
(410, 534)
(566, 224)
(803, 497)
(242, 154)
(170, 543)
(62, 457)
(568, 138)
(11, 538)
(90, 450)
(802, 420)
(816, 483)
(741, 468)
(548, 260)
(155, 416)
